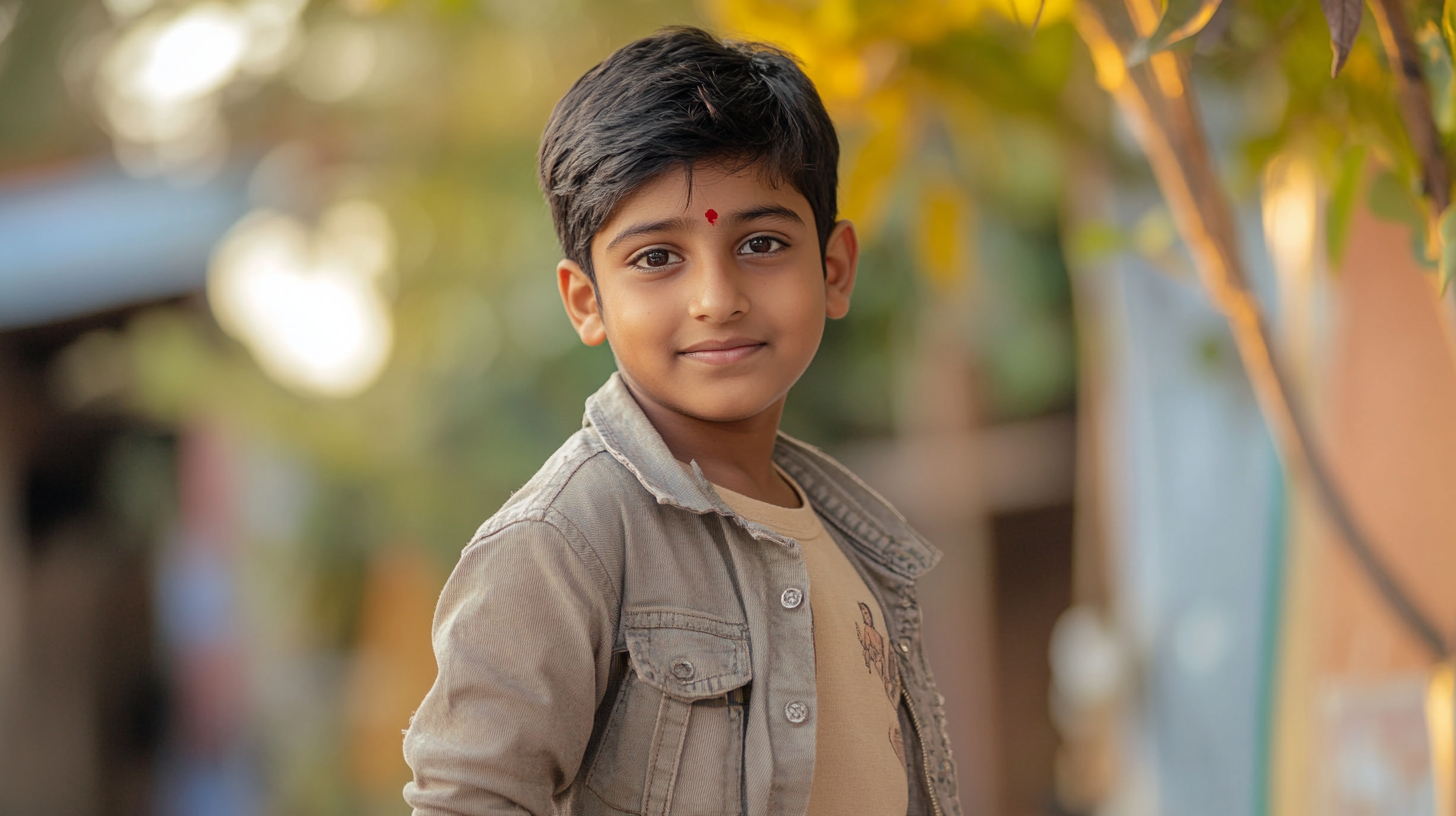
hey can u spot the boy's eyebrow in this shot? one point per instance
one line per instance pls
(652, 226)
(766, 211)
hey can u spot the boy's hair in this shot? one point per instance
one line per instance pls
(672, 100)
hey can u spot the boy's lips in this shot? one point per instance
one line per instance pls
(722, 352)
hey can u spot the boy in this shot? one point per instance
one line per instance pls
(685, 611)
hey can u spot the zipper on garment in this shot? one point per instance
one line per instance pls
(924, 754)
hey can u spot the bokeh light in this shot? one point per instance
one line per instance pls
(308, 303)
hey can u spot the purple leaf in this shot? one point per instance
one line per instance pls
(1344, 19)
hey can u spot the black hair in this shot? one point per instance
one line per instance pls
(672, 100)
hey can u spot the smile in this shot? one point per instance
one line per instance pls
(722, 352)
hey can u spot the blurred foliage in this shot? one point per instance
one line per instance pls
(961, 120)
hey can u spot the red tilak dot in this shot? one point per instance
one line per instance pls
(712, 216)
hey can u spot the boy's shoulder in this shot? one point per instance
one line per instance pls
(568, 489)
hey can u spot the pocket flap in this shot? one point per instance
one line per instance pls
(687, 656)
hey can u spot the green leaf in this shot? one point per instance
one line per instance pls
(1448, 24)
(1436, 59)
(1181, 20)
(1448, 247)
(1421, 250)
(1342, 204)
(1343, 17)
(1096, 241)
(1390, 200)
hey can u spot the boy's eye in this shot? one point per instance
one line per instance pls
(761, 245)
(656, 258)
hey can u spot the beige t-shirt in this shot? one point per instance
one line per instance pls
(859, 757)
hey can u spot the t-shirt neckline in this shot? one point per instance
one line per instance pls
(796, 522)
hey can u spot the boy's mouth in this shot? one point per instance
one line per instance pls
(722, 352)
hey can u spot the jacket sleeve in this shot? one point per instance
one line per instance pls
(523, 637)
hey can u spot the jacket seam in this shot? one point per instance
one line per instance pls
(540, 516)
(553, 483)
(579, 462)
(689, 621)
(556, 519)
(543, 508)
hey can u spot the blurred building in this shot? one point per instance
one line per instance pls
(83, 689)
(89, 492)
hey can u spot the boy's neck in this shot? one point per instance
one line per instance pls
(737, 455)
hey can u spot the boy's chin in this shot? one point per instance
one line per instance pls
(726, 411)
(723, 408)
(721, 402)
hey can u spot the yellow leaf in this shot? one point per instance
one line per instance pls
(822, 35)
(943, 231)
(1024, 12)
(840, 76)
(757, 20)
(873, 166)
(866, 184)
(836, 20)
(961, 12)
(924, 21)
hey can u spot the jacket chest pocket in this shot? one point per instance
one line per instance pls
(673, 745)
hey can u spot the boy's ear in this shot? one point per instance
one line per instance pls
(841, 262)
(579, 296)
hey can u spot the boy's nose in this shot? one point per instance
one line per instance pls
(718, 296)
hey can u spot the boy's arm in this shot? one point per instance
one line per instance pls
(523, 638)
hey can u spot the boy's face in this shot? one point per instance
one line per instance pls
(713, 298)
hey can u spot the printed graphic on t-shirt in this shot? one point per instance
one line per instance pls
(877, 661)
(876, 658)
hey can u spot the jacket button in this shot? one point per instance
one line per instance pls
(682, 669)
(796, 712)
(792, 597)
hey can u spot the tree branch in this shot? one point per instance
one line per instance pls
(1414, 99)
(1156, 98)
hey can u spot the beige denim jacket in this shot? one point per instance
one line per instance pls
(617, 641)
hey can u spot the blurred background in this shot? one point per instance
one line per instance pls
(278, 330)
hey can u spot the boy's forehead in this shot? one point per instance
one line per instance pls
(680, 191)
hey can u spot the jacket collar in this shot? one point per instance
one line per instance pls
(876, 528)
(630, 437)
